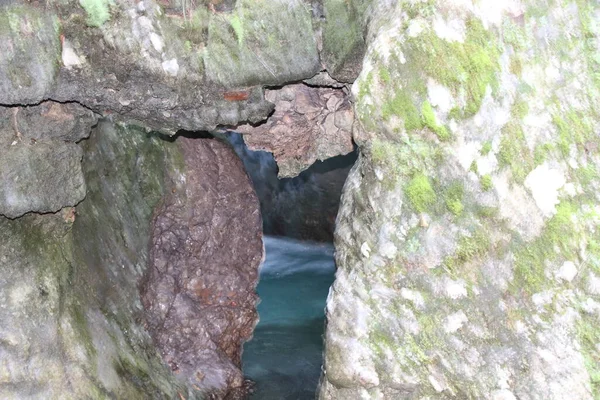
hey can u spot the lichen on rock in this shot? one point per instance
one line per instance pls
(476, 284)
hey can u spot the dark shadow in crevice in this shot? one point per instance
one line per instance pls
(303, 207)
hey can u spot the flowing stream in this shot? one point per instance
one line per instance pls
(284, 357)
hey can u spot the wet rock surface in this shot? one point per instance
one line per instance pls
(40, 164)
(206, 246)
(308, 124)
(69, 301)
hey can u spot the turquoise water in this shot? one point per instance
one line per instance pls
(284, 357)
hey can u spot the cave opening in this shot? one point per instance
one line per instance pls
(284, 357)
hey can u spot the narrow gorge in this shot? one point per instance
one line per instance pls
(440, 157)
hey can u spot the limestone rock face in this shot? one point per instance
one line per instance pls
(168, 66)
(309, 124)
(468, 239)
(40, 164)
(206, 248)
(344, 30)
(69, 301)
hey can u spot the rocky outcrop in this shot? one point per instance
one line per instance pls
(206, 248)
(40, 164)
(69, 301)
(343, 31)
(170, 65)
(467, 241)
(73, 321)
(308, 124)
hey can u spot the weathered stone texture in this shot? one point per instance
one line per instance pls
(40, 164)
(309, 124)
(467, 241)
(69, 301)
(206, 248)
(343, 29)
(169, 66)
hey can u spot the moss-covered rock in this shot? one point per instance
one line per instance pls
(344, 29)
(466, 235)
(262, 43)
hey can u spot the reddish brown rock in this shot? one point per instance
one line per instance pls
(199, 293)
(309, 124)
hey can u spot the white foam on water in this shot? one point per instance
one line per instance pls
(287, 256)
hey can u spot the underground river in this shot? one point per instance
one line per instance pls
(284, 357)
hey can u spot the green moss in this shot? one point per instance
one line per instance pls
(557, 238)
(97, 11)
(486, 183)
(384, 75)
(541, 153)
(454, 198)
(469, 247)
(400, 161)
(470, 67)
(80, 325)
(194, 30)
(589, 337)
(365, 86)
(420, 193)
(514, 152)
(473, 167)
(520, 109)
(487, 212)
(516, 67)
(401, 105)
(486, 148)
(574, 128)
(590, 32)
(514, 34)
(430, 122)
(238, 28)
(429, 328)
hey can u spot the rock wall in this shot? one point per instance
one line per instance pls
(73, 321)
(168, 65)
(308, 124)
(76, 217)
(69, 303)
(206, 247)
(467, 242)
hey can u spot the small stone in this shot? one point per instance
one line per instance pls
(157, 42)
(171, 67)
(436, 384)
(332, 103)
(69, 58)
(567, 272)
(365, 250)
(455, 321)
